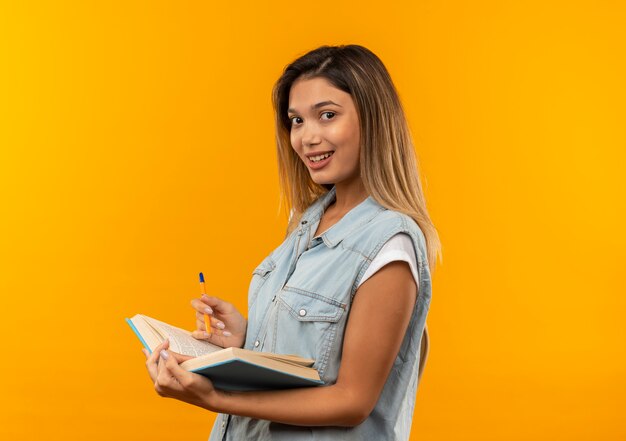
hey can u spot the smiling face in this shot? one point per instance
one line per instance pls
(325, 131)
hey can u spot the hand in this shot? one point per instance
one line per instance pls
(172, 381)
(228, 326)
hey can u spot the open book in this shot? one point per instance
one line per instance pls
(228, 368)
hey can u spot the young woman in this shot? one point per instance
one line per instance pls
(350, 286)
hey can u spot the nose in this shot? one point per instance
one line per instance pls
(310, 135)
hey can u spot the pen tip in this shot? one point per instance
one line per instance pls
(201, 278)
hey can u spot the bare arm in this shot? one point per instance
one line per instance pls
(376, 326)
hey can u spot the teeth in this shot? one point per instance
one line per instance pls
(320, 157)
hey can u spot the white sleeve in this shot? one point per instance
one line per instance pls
(399, 247)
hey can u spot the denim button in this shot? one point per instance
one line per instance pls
(302, 312)
(256, 344)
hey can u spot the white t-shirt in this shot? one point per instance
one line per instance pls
(399, 247)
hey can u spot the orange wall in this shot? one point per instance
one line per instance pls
(136, 149)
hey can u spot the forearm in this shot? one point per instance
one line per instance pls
(367, 360)
(316, 406)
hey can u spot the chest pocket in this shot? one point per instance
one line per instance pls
(307, 324)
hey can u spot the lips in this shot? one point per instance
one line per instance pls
(319, 160)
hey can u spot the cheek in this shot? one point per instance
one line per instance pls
(295, 141)
(348, 138)
(340, 135)
(355, 140)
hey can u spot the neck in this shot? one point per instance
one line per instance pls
(348, 195)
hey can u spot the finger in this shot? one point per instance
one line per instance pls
(201, 307)
(152, 365)
(171, 365)
(221, 332)
(154, 355)
(164, 345)
(153, 358)
(217, 304)
(165, 384)
(179, 357)
(200, 325)
(161, 356)
(200, 334)
(200, 316)
(216, 337)
(215, 322)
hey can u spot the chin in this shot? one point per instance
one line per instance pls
(322, 181)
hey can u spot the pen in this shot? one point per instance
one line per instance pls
(207, 319)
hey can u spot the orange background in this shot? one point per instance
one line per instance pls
(136, 149)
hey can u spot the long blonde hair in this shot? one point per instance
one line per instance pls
(388, 163)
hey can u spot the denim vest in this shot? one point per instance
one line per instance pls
(299, 300)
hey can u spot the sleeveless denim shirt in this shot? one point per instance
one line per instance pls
(299, 300)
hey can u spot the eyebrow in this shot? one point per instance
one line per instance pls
(317, 106)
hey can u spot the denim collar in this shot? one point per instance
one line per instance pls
(352, 220)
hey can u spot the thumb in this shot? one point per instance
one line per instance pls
(179, 358)
(172, 360)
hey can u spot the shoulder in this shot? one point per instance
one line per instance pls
(370, 237)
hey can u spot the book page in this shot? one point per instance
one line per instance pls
(181, 341)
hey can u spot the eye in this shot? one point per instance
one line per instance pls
(293, 120)
(332, 114)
